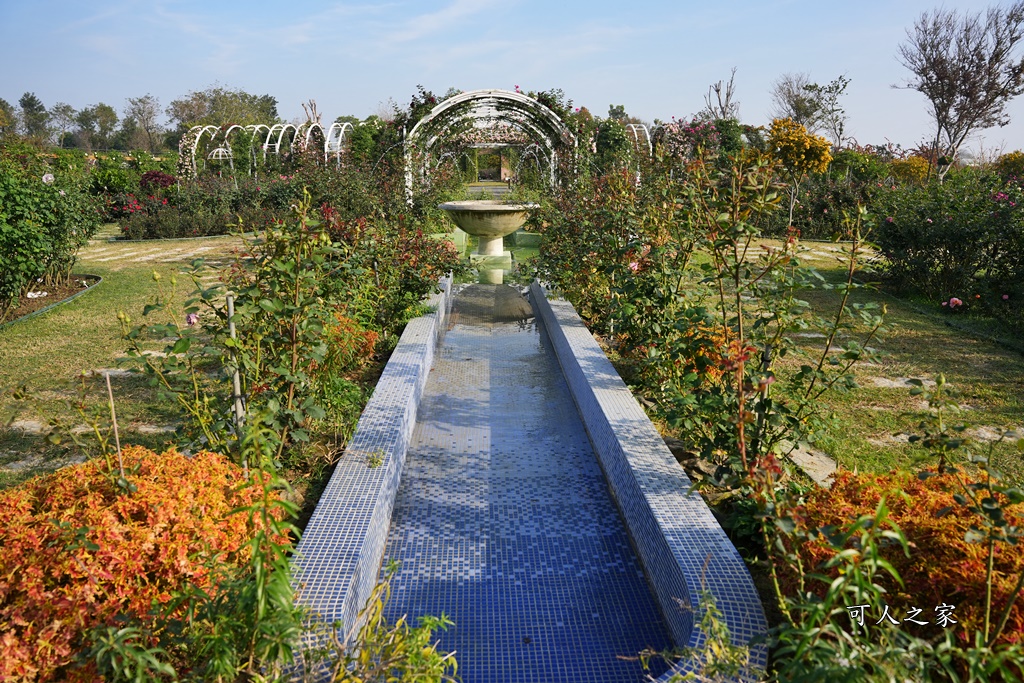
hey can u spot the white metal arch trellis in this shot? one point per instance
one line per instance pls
(272, 143)
(483, 108)
(640, 132)
(195, 134)
(334, 141)
(255, 131)
(534, 150)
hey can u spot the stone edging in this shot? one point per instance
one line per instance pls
(681, 545)
(118, 240)
(337, 561)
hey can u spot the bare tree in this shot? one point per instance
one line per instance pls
(144, 111)
(719, 102)
(965, 66)
(792, 100)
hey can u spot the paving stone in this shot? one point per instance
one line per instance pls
(815, 464)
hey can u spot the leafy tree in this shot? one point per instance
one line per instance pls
(218, 105)
(617, 112)
(126, 135)
(348, 118)
(730, 135)
(8, 117)
(34, 116)
(966, 67)
(63, 117)
(86, 122)
(96, 126)
(791, 100)
(614, 145)
(831, 116)
(799, 152)
(106, 124)
(144, 111)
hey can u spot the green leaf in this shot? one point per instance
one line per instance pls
(785, 524)
(972, 535)
(182, 345)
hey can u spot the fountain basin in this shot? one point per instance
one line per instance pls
(489, 220)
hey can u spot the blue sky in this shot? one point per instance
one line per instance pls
(656, 58)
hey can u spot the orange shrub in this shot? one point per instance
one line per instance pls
(349, 344)
(942, 568)
(76, 551)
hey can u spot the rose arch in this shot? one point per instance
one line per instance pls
(469, 116)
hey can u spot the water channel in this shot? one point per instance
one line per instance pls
(503, 520)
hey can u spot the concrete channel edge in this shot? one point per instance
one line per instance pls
(339, 556)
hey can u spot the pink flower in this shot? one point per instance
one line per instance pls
(928, 220)
(1005, 297)
(634, 266)
(191, 319)
(888, 219)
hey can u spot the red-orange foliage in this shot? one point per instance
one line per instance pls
(349, 345)
(55, 584)
(942, 568)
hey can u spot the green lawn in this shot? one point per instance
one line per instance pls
(49, 353)
(875, 419)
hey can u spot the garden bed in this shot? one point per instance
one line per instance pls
(55, 295)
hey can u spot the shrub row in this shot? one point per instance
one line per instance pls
(963, 238)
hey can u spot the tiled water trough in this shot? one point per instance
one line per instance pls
(680, 546)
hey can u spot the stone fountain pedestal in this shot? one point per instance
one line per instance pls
(489, 221)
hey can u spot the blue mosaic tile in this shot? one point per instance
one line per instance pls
(682, 546)
(337, 560)
(504, 522)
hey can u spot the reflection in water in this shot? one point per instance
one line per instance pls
(491, 276)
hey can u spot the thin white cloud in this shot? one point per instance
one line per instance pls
(530, 52)
(103, 15)
(443, 20)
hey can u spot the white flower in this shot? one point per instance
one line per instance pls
(48, 179)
